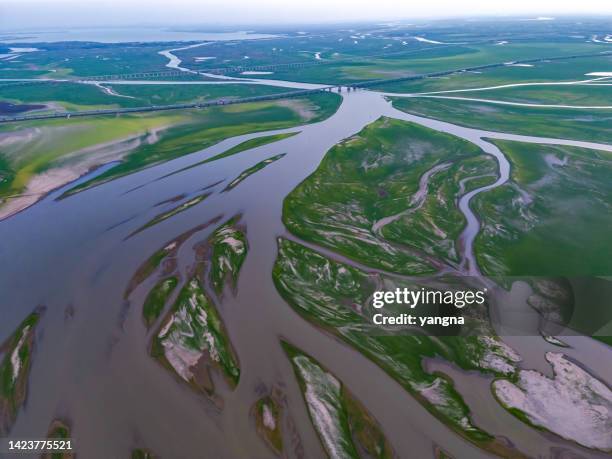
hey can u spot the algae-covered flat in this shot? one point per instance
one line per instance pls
(229, 249)
(251, 170)
(157, 299)
(386, 197)
(15, 369)
(192, 338)
(342, 423)
(268, 416)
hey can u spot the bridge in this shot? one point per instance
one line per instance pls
(289, 94)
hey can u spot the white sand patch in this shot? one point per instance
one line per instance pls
(268, 418)
(573, 404)
(15, 359)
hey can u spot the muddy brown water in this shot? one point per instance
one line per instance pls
(93, 367)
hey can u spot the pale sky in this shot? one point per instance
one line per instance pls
(17, 14)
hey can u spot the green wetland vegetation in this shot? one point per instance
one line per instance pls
(192, 339)
(366, 199)
(156, 300)
(142, 454)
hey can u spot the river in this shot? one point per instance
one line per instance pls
(93, 367)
